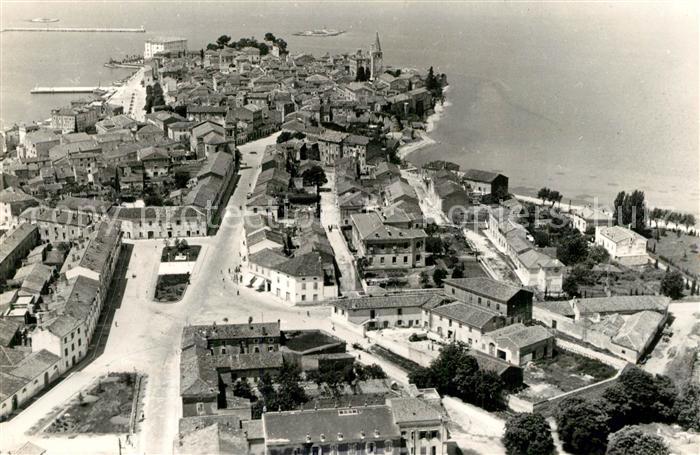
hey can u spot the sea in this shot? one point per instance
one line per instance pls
(586, 98)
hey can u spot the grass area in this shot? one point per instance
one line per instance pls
(171, 252)
(622, 280)
(682, 250)
(302, 341)
(105, 408)
(564, 372)
(171, 288)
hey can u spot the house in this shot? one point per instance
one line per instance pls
(307, 277)
(13, 201)
(512, 302)
(449, 196)
(387, 246)
(487, 183)
(411, 423)
(519, 344)
(330, 146)
(623, 244)
(156, 161)
(405, 309)
(463, 322)
(22, 375)
(14, 246)
(160, 222)
(588, 218)
(399, 190)
(74, 118)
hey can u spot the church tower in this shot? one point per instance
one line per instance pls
(376, 59)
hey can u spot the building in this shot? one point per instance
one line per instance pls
(512, 302)
(330, 146)
(74, 119)
(587, 219)
(57, 225)
(487, 183)
(214, 357)
(463, 322)
(387, 246)
(519, 344)
(14, 246)
(412, 424)
(307, 277)
(23, 374)
(161, 222)
(164, 45)
(13, 201)
(623, 325)
(405, 309)
(624, 245)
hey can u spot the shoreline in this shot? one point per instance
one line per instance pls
(430, 125)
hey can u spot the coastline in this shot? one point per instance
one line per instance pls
(430, 125)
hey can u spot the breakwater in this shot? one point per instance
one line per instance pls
(50, 90)
(74, 29)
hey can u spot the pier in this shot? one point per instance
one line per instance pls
(74, 29)
(58, 90)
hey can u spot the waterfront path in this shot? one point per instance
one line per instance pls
(131, 96)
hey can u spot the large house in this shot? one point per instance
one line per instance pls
(487, 183)
(15, 245)
(387, 246)
(588, 218)
(161, 222)
(624, 245)
(512, 302)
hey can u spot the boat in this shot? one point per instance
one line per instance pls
(320, 32)
(44, 20)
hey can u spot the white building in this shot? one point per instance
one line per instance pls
(589, 218)
(163, 44)
(624, 245)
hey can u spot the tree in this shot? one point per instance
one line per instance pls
(630, 209)
(439, 276)
(315, 175)
(573, 248)
(241, 388)
(222, 41)
(582, 426)
(528, 434)
(360, 76)
(598, 254)
(639, 397)
(672, 284)
(687, 405)
(283, 137)
(372, 371)
(434, 245)
(554, 197)
(269, 37)
(487, 390)
(181, 179)
(543, 194)
(633, 440)
(458, 271)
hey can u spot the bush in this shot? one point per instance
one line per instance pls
(687, 406)
(528, 434)
(633, 440)
(583, 426)
(672, 285)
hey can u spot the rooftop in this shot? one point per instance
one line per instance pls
(471, 315)
(488, 287)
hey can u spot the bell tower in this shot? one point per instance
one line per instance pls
(376, 59)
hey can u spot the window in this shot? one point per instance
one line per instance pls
(315, 286)
(399, 311)
(303, 286)
(393, 259)
(315, 297)
(381, 260)
(65, 351)
(417, 257)
(453, 290)
(80, 342)
(405, 259)
(554, 324)
(303, 297)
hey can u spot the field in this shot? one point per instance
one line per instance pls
(302, 341)
(621, 280)
(171, 288)
(681, 250)
(564, 372)
(105, 408)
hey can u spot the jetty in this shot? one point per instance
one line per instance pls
(74, 29)
(58, 90)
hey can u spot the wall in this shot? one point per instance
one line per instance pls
(590, 353)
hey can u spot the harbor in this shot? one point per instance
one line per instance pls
(75, 29)
(62, 90)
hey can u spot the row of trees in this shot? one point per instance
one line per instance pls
(457, 374)
(154, 97)
(630, 210)
(549, 195)
(334, 378)
(670, 216)
(435, 83)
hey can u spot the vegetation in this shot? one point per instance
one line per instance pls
(672, 284)
(287, 395)
(456, 373)
(154, 97)
(672, 217)
(315, 175)
(633, 440)
(225, 41)
(547, 194)
(171, 288)
(439, 276)
(687, 406)
(583, 426)
(528, 434)
(285, 136)
(573, 248)
(630, 210)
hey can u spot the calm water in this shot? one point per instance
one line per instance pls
(589, 99)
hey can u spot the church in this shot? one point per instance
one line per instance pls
(368, 64)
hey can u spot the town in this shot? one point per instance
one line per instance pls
(229, 252)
